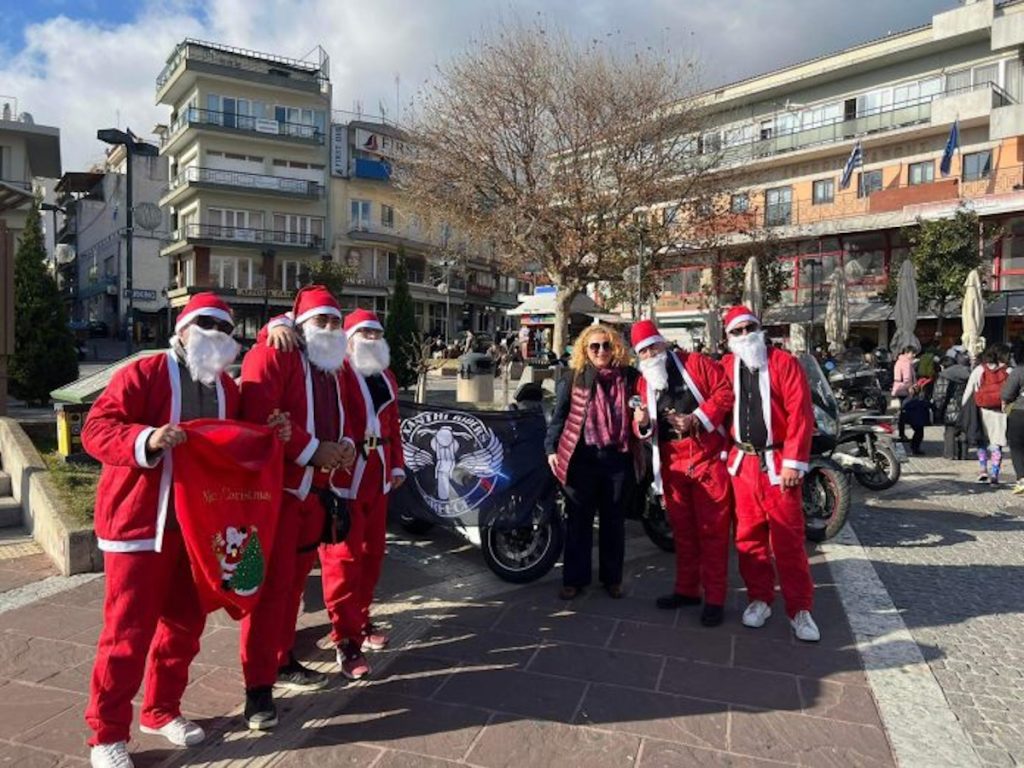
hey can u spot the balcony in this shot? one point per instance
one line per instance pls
(243, 125)
(409, 236)
(240, 181)
(244, 237)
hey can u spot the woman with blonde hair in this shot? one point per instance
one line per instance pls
(591, 446)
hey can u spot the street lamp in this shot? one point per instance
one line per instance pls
(268, 273)
(133, 147)
(813, 264)
(54, 208)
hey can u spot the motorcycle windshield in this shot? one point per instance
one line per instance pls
(821, 390)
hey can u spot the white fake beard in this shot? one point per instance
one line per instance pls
(325, 348)
(751, 349)
(655, 371)
(370, 356)
(208, 353)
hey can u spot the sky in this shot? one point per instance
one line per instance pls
(88, 64)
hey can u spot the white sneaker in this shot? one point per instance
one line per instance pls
(180, 732)
(110, 756)
(757, 613)
(804, 627)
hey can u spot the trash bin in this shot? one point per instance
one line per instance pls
(476, 378)
(70, 420)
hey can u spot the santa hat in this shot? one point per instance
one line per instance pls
(643, 334)
(204, 305)
(361, 318)
(739, 315)
(315, 300)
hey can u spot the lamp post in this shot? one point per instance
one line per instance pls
(54, 208)
(268, 273)
(132, 147)
(813, 264)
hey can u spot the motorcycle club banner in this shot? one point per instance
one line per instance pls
(227, 495)
(467, 468)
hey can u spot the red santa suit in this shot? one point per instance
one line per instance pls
(689, 471)
(151, 605)
(351, 569)
(769, 518)
(286, 381)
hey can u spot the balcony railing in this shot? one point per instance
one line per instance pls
(243, 123)
(240, 58)
(243, 180)
(246, 235)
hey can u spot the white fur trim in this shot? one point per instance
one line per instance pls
(140, 449)
(704, 420)
(373, 324)
(307, 453)
(803, 466)
(398, 472)
(745, 318)
(645, 343)
(188, 317)
(326, 310)
(132, 545)
(167, 471)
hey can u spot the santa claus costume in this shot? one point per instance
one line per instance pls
(772, 426)
(351, 569)
(297, 382)
(151, 607)
(688, 466)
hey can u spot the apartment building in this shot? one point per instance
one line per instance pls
(456, 284)
(792, 132)
(27, 152)
(247, 196)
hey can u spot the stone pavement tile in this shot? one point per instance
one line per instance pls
(520, 693)
(393, 759)
(598, 665)
(399, 722)
(19, 571)
(219, 647)
(213, 692)
(323, 754)
(33, 659)
(17, 756)
(89, 595)
(665, 754)
(24, 707)
(518, 743)
(700, 644)
(658, 715)
(560, 622)
(736, 686)
(502, 649)
(413, 674)
(56, 622)
(473, 614)
(629, 608)
(808, 741)
(75, 679)
(851, 703)
(839, 665)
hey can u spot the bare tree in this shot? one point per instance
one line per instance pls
(558, 153)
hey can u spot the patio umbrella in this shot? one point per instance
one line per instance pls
(713, 324)
(797, 338)
(972, 315)
(837, 316)
(906, 309)
(752, 297)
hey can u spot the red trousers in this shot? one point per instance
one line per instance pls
(268, 633)
(697, 503)
(351, 570)
(770, 521)
(150, 608)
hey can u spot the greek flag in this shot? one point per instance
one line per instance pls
(952, 145)
(855, 160)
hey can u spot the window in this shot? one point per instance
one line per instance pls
(711, 143)
(303, 230)
(230, 272)
(823, 191)
(870, 181)
(359, 214)
(988, 73)
(669, 214)
(921, 173)
(387, 216)
(958, 81)
(739, 203)
(778, 206)
(977, 165)
(290, 275)
(234, 224)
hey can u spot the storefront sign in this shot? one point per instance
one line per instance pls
(141, 294)
(339, 150)
(260, 293)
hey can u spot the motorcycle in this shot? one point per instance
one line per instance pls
(866, 448)
(855, 384)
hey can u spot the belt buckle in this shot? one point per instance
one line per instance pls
(371, 442)
(748, 448)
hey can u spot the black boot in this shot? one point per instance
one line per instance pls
(712, 615)
(675, 600)
(260, 712)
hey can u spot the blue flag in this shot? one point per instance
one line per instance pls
(952, 145)
(855, 160)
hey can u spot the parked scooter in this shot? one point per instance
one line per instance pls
(855, 384)
(866, 448)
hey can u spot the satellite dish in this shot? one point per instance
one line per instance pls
(64, 253)
(147, 215)
(442, 288)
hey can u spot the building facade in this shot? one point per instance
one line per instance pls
(787, 136)
(27, 152)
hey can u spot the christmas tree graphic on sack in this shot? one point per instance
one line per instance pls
(241, 559)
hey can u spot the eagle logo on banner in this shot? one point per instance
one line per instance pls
(454, 459)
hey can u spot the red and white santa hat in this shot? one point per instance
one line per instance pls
(315, 300)
(204, 305)
(643, 334)
(739, 315)
(361, 318)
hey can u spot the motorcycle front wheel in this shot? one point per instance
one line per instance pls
(521, 555)
(657, 526)
(826, 496)
(887, 470)
(414, 525)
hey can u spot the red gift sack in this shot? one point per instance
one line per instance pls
(228, 480)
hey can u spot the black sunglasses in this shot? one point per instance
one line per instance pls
(742, 330)
(597, 346)
(208, 323)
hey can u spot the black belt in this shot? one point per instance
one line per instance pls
(371, 444)
(752, 450)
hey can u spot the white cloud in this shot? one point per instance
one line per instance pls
(82, 76)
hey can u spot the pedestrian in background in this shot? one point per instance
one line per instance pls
(593, 452)
(954, 371)
(1013, 400)
(984, 388)
(903, 379)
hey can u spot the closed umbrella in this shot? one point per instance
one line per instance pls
(713, 313)
(906, 309)
(972, 315)
(837, 316)
(752, 297)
